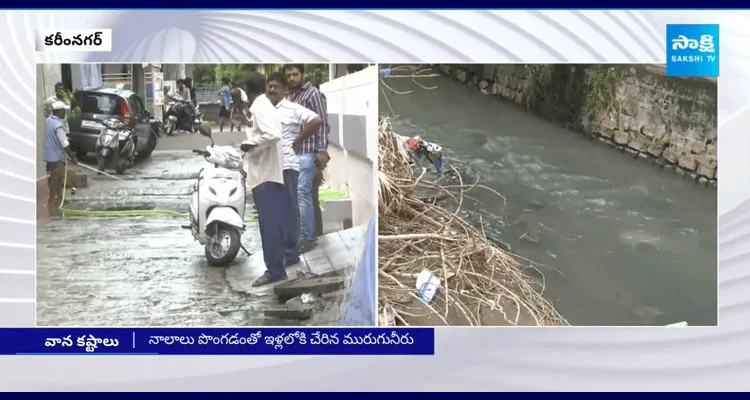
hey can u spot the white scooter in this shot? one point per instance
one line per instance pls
(217, 203)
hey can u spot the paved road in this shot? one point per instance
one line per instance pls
(138, 271)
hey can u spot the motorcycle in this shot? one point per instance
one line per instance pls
(217, 203)
(179, 116)
(115, 146)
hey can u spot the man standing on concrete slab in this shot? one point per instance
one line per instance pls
(265, 178)
(56, 149)
(298, 124)
(313, 151)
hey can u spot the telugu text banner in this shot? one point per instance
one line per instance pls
(217, 341)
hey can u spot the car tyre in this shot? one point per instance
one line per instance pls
(79, 152)
(150, 147)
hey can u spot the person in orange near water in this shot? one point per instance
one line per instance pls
(420, 150)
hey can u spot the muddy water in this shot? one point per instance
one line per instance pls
(621, 241)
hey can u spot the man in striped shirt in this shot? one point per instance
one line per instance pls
(313, 151)
(297, 124)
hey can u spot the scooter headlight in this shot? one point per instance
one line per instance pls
(232, 192)
(111, 140)
(212, 190)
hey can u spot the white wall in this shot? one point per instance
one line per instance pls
(115, 68)
(85, 75)
(354, 94)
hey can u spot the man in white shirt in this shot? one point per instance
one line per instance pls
(182, 90)
(298, 123)
(265, 178)
(239, 102)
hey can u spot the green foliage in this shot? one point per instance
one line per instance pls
(234, 72)
(204, 73)
(317, 73)
(536, 76)
(659, 141)
(214, 73)
(67, 97)
(539, 74)
(600, 92)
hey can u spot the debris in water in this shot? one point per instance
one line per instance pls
(411, 234)
(536, 205)
(307, 298)
(526, 237)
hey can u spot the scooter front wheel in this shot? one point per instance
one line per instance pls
(101, 163)
(222, 251)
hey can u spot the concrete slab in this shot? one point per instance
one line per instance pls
(314, 286)
(334, 256)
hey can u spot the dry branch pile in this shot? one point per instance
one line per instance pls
(480, 284)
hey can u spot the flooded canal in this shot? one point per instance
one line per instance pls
(622, 242)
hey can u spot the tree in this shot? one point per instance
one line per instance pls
(204, 73)
(317, 73)
(214, 73)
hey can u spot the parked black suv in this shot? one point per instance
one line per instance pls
(101, 103)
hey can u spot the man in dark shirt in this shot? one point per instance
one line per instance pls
(237, 112)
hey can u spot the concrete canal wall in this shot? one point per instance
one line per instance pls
(353, 118)
(670, 121)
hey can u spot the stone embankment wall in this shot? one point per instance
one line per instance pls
(669, 121)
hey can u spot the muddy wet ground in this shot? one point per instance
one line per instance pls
(145, 270)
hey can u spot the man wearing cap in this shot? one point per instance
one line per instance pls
(56, 148)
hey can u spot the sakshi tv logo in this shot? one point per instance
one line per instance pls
(693, 50)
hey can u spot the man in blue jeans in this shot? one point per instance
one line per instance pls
(313, 150)
(265, 178)
(225, 102)
(296, 122)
